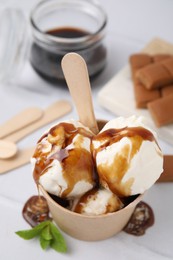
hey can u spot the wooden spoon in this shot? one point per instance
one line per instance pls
(7, 149)
(22, 157)
(54, 111)
(76, 75)
(25, 117)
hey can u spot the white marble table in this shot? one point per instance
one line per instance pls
(131, 25)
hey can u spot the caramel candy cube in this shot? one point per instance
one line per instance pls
(167, 175)
(161, 57)
(165, 91)
(138, 61)
(168, 64)
(162, 110)
(154, 76)
(143, 95)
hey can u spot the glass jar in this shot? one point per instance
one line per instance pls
(61, 26)
(14, 43)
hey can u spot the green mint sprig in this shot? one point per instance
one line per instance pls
(48, 235)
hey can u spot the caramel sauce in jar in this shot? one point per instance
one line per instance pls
(47, 63)
(59, 27)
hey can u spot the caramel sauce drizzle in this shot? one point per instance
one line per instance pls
(112, 175)
(77, 164)
(113, 204)
(84, 199)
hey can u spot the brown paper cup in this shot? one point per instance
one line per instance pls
(90, 228)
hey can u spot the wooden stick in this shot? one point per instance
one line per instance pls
(76, 75)
(53, 112)
(20, 120)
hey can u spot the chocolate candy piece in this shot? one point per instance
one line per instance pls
(162, 110)
(141, 219)
(167, 175)
(36, 210)
(154, 76)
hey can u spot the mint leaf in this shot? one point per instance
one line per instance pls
(31, 233)
(57, 243)
(46, 234)
(44, 243)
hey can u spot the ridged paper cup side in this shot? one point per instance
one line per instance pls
(90, 228)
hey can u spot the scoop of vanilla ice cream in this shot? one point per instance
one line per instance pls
(127, 156)
(62, 162)
(97, 202)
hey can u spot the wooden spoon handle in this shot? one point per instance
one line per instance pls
(22, 119)
(53, 112)
(76, 75)
(22, 157)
